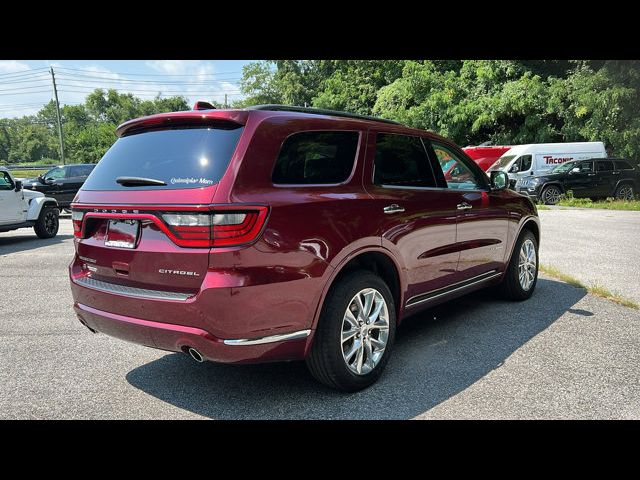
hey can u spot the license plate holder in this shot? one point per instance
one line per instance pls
(122, 233)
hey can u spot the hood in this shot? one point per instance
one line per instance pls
(29, 194)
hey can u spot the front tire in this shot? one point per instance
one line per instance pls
(355, 333)
(48, 223)
(522, 272)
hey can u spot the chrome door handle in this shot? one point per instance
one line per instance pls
(591, 174)
(615, 173)
(464, 206)
(393, 208)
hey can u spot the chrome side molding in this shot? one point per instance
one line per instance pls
(269, 339)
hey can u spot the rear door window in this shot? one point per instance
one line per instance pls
(313, 158)
(605, 166)
(402, 161)
(182, 158)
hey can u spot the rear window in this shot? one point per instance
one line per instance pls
(312, 158)
(182, 158)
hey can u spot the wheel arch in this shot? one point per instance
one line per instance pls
(530, 223)
(375, 259)
(37, 204)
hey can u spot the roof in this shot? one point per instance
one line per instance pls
(319, 111)
(234, 116)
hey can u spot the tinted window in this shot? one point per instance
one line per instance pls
(459, 176)
(56, 173)
(308, 158)
(623, 166)
(402, 160)
(80, 170)
(5, 181)
(585, 166)
(183, 158)
(605, 166)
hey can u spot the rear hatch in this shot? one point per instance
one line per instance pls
(142, 219)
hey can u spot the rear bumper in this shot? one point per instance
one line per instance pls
(177, 338)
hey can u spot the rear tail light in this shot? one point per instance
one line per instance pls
(217, 229)
(76, 219)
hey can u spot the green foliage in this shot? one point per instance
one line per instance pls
(89, 129)
(470, 101)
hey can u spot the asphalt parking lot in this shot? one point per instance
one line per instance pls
(562, 354)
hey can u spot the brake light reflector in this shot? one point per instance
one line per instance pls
(76, 220)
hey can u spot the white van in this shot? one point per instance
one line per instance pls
(539, 158)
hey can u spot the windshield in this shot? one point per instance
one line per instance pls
(182, 158)
(503, 162)
(565, 167)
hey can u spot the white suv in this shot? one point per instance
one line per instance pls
(25, 208)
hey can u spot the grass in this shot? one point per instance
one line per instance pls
(27, 173)
(608, 204)
(594, 289)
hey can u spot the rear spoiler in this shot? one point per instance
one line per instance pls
(190, 119)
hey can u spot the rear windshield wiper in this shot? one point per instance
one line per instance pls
(137, 181)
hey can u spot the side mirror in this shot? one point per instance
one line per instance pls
(18, 185)
(499, 180)
(575, 170)
(40, 178)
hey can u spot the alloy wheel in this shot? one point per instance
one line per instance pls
(365, 331)
(625, 192)
(50, 222)
(527, 264)
(552, 195)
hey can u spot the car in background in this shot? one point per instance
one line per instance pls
(21, 208)
(61, 183)
(485, 156)
(594, 178)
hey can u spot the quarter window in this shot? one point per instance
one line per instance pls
(402, 161)
(316, 158)
(623, 166)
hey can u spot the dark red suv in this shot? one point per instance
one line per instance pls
(280, 233)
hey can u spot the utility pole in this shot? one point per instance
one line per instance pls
(225, 100)
(55, 92)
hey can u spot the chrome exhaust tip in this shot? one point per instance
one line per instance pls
(195, 354)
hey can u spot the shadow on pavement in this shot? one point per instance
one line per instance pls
(433, 360)
(28, 241)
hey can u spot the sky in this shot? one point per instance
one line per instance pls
(25, 85)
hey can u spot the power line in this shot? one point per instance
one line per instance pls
(30, 80)
(142, 80)
(89, 79)
(148, 90)
(22, 88)
(150, 74)
(22, 73)
(26, 93)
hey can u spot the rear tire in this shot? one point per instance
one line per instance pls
(515, 285)
(624, 192)
(344, 343)
(48, 223)
(551, 195)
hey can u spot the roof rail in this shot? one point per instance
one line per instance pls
(319, 111)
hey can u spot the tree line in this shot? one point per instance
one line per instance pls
(470, 101)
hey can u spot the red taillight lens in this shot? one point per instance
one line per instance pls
(76, 219)
(221, 228)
